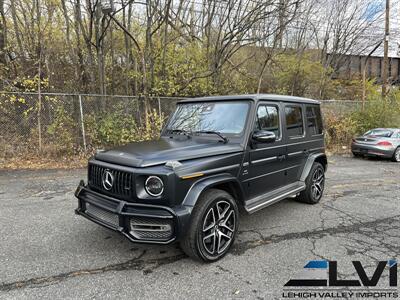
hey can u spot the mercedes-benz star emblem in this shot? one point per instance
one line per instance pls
(108, 180)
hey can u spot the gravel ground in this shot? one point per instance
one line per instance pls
(48, 252)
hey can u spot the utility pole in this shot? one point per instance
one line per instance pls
(364, 74)
(386, 51)
(281, 23)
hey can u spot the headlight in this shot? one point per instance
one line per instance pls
(154, 186)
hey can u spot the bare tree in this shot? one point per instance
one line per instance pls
(3, 33)
(344, 24)
(132, 49)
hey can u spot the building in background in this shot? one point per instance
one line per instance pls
(353, 67)
(355, 60)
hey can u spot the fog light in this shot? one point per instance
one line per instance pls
(154, 186)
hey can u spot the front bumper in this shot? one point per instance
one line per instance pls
(372, 150)
(138, 222)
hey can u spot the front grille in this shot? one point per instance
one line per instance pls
(152, 235)
(144, 228)
(122, 184)
(102, 215)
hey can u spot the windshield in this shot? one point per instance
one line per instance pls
(380, 132)
(223, 117)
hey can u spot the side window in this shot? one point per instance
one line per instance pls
(314, 120)
(294, 121)
(268, 119)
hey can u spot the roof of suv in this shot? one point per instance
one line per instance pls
(255, 97)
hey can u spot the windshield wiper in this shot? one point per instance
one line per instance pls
(212, 132)
(179, 131)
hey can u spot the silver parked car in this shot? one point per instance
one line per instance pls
(382, 142)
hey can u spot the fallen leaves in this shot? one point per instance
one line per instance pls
(37, 162)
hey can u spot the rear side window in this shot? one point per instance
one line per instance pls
(314, 120)
(268, 119)
(294, 121)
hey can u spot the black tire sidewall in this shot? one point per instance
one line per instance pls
(208, 203)
(395, 156)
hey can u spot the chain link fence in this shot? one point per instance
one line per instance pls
(340, 107)
(53, 124)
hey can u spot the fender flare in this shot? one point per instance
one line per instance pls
(309, 163)
(201, 185)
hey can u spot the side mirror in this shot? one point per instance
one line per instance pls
(264, 136)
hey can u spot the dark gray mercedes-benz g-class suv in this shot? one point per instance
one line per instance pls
(215, 155)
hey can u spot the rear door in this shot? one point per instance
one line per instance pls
(266, 160)
(296, 141)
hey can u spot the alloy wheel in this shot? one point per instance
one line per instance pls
(318, 181)
(397, 155)
(219, 227)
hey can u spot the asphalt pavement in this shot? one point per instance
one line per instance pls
(48, 252)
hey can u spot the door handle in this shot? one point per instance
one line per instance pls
(306, 152)
(281, 157)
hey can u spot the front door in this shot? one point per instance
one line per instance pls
(266, 160)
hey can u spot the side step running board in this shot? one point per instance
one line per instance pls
(276, 197)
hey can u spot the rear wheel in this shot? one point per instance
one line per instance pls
(213, 227)
(396, 155)
(315, 184)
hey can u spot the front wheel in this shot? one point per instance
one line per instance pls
(315, 184)
(396, 155)
(213, 227)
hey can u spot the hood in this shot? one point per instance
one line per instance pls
(151, 153)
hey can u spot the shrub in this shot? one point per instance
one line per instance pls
(62, 133)
(114, 129)
(118, 127)
(377, 113)
(339, 130)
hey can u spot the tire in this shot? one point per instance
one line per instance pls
(215, 216)
(356, 154)
(396, 155)
(315, 184)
